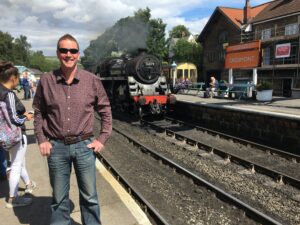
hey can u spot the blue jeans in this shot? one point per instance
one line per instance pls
(26, 92)
(3, 162)
(60, 164)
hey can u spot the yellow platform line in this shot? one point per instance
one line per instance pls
(127, 200)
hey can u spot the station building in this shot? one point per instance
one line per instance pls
(274, 26)
(224, 28)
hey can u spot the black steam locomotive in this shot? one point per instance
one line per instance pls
(135, 84)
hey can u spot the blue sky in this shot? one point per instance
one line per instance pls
(43, 22)
(205, 10)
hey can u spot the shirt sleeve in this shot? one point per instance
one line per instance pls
(15, 119)
(104, 109)
(39, 114)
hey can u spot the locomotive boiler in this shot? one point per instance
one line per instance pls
(135, 84)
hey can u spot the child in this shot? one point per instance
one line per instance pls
(9, 79)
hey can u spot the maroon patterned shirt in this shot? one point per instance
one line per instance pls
(63, 110)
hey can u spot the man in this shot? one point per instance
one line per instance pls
(26, 85)
(64, 107)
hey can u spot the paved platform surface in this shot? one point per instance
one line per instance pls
(117, 207)
(279, 106)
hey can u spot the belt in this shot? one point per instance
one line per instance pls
(74, 139)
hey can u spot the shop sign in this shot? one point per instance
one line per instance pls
(283, 50)
(246, 55)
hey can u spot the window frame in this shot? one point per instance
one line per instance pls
(291, 29)
(266, 33)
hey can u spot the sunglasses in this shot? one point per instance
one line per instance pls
(66, 50)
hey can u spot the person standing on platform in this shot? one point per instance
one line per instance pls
(64, 105)
(26, 85)
(9, 79)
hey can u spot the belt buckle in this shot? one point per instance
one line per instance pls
(69, 140)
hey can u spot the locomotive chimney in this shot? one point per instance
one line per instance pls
(142, 51)
(247, 12)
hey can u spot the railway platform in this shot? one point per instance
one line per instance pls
(279, 106)
(117, 206)
(274, 123)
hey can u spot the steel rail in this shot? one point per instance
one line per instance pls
(146, 205)
(280, 177)
(262, 147)
(221, 194)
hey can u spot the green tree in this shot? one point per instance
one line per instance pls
(179, 31)
(37, 60)
(156, 42)
(185, 51)
(6, 46)
(21, 51)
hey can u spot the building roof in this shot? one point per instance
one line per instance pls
(234, 15)
(237, 15)
(278, 8)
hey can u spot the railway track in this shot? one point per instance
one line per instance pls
(247, 160)
(251, 212)
(150, 210)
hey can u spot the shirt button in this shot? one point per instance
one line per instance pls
(69, 108)
(68, 119)
(68, 131)
(69, 97)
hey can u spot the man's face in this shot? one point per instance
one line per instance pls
(68, 59)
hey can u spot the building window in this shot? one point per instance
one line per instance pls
(266, 33)
(179, 74)
(223, 37)
(266, 56)
(186, 73)
(291, 29)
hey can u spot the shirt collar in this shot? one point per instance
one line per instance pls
(60, 77)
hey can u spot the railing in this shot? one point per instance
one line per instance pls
(240, 91)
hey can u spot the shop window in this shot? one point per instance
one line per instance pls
(266, 33)
(291, 29)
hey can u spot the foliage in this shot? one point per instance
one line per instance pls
(185, 51)
(21, 50)
(126, 36)
(6, 46)
(264, 85)
(17, 50)
(179, 31)
(156, 42)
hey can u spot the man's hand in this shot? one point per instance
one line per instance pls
(97, 146)
(45, 148)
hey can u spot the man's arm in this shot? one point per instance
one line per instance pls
(102, 106)
(39, 111)
(104, 109)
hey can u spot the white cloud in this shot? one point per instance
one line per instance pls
(43, 22)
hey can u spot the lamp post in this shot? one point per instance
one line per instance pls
(174, 66)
